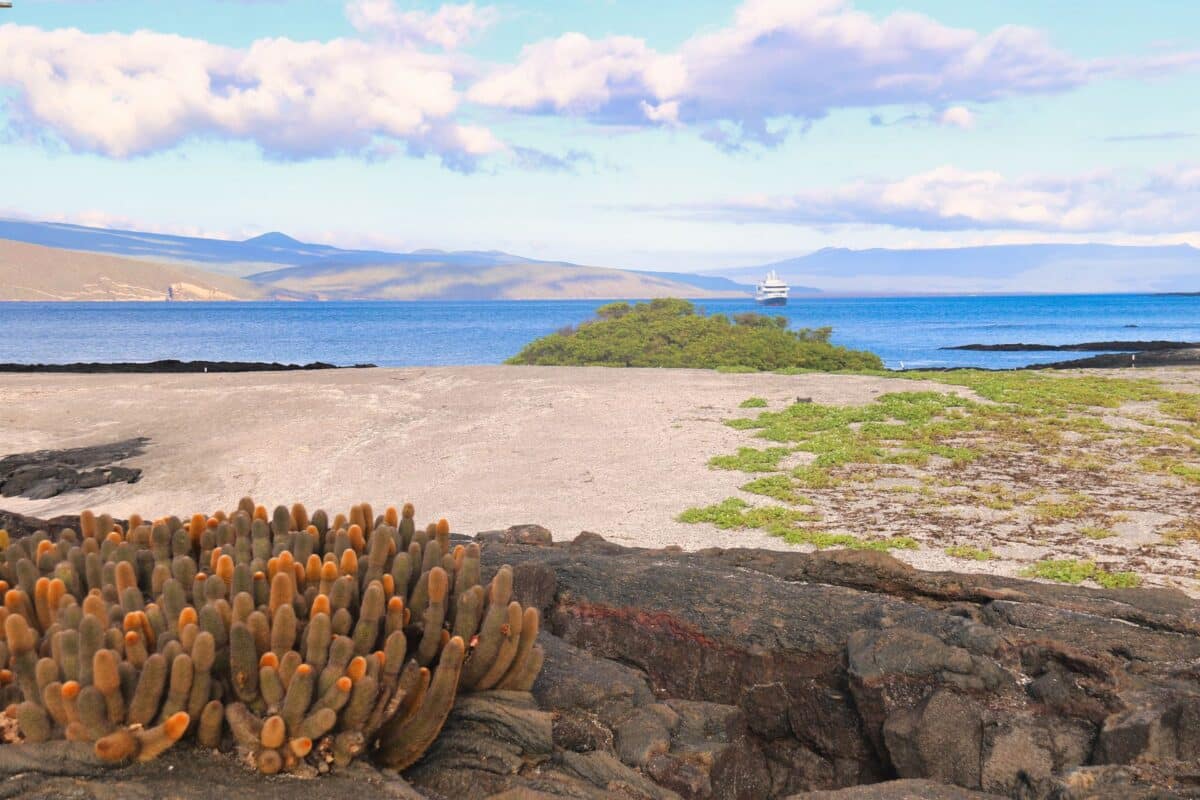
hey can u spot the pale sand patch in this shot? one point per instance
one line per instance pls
(617, 452)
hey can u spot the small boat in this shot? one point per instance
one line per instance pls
(771, 291)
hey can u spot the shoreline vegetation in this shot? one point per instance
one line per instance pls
(672, 333)
(1066, 475)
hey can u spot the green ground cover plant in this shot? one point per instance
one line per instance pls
(1075, 572)
(1096, 533)
(971, 553)
(787, 523)
(780, 487)
(750, 459)
(1020, 457)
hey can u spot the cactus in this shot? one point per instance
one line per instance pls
(298, 641)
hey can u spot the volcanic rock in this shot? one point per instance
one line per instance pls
(48, 473)
(762, 674)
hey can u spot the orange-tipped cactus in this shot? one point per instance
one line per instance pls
(310, 642)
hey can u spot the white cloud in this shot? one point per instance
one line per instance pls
(957, 117)
(399, 87)
(124, 95)
(449, 27)
(574, 73)
(1165, 201)
(793, 60)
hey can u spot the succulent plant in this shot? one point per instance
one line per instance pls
(301, 642)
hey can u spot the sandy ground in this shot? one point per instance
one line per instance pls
(617, 452)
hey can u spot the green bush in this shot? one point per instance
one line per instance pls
(671, 333)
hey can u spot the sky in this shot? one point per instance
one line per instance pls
(672, 134)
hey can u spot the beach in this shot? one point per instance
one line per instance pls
(618, 452)
(615, 452)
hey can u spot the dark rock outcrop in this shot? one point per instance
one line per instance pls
(49, 473)
(761, 674)
(528, 533)
(1114, 354)
(170, 366)
(851, 668)
(1182, 357)
(1082, 347)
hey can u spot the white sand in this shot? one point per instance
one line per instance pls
(617, 452)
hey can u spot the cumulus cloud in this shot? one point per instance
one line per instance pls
(612, 79)
(402, 84)
(957, 117)
(797, 60)
(952, 199)
(449, 27)
(124, 95)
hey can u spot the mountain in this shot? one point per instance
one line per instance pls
(216, 255)
(1065, 268)
(33, 272)
(431, 278)
(276, 265)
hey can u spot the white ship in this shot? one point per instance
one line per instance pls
(771, 291)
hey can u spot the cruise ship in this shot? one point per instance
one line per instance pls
(771, 291)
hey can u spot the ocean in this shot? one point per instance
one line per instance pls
(907, 332)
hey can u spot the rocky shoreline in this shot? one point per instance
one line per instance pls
(1156, 358)
(1150, 354)
(741, 673)
(1083, 347)
(1156, 353)
(172, 366)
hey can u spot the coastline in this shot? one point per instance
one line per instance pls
(1151, 357)
(171, 366)
(904, 333)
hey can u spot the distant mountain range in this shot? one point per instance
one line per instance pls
(1062, 268)
(276, 266)
(41, 260)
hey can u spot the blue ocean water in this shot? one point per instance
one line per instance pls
(904, 331)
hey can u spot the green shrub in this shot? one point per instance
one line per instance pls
(671, 333)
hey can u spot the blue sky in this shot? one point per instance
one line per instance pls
(703, 134)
